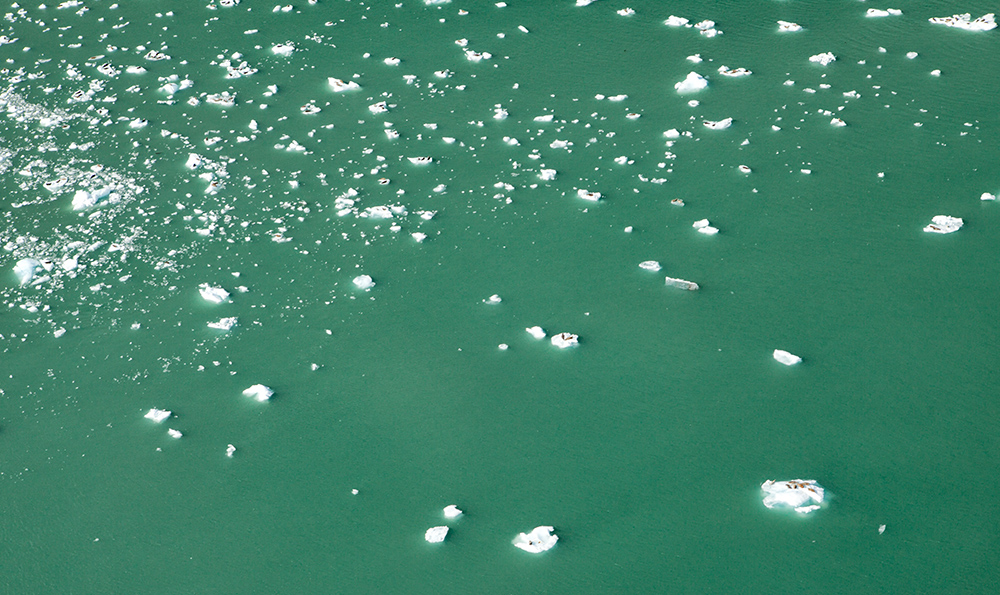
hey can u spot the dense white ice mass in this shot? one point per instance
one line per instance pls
(224, 324)
(452, 512)
(823, 59)
(649, 265)
(564, 340)
(363, 282)
(794, 494)
(682, 284)
(259, 393)
(25, 269)
(786, 358)
(339, 85)
(536, 332)
(788, 27)
(539, 540)
(213, 294)
(157, 415)
(986, 22)
(719, 124)
(436, 534)
(944, 224)
(693, 82)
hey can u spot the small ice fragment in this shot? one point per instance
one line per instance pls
(493, 299)
(675, 21)
(704, 227)
(823, 59)
(696, 58)
(693, 82)
(734, 72)
(283, 49)
(25, 269)
(215, 295)
(988, 196)
(677, 202)
(258, 392)
(547, 175)
(536, 332)
(174, 433)
(545, 118)
(59, 332)
(230, 450)
(223, 325)
(418, 236)
(339, 86)
(876, 13)
(672, 133)
(912, 55)
(626, 12)
(786, 358)
(718, 125)
(588, 195)
(539, 540)
(378, 108)
(682, 284)
(436, 534)
(84, 199)
(363, 282)
(881, 529)
(451, 511)
(157, 415)
(837, 122)
(522, 28)
(794, 494)
(944, 224)
(649, 265)
(935, 72)
(744, 169)
(420, 160)
(564, 340)
(788, 27)
(391, 61)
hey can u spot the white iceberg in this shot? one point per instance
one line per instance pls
(436, 534)
(649, 265)
(718, 125)
(25, 269)
(564, 340)
(451, 511)
(174, 433)
(875, 12)
(788, 27)
(157, 415)
(734, 72)
(539, 540)
(587, 195)
(682, 284)
(84, 199)
(363, 282)
(794, 494)
(212, 294)
(675, 21)
(988, 196)
(944, 224)
(536, 332)
(693, 82)
(230, 449)
(704, 227)
(547, 175)
(838, 123)
(340, 86)
(823, 59)
(420, 160)
(283, 49)
(493, 299)
(224, 324)
(258, 392)
(964, 21)
(786, 358)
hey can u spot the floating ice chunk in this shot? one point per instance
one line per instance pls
(675, 21)
(259, 393)
(618, 98)
(539, 540)
(964, 21)
(559, 144)
(988, 196)
(786, 358)
(875, 12)
(536, 332)
(310, 109)
(693, 82)
(881, 529)
(499, 114)
(193, 161)
(672, 133)
(696, 58)
(588, 195)
(649, 265)
(944, 224)
(436, 534)
(633, 116)
(744, 169)
(212, 294)
(718, 125)
(547, 175)
(677, 202)
(823, 59)
(157, 415)
(283, 49)
(734, 72)
(224, 99)
(379, 212)
(418, 236)
(340, 86)
(788, 27)
(682, 284)
(626, 12)
(838, 123)
(704, 227)
(794, 494)
(564, 340)
(935, 72)
(25, 269)
(420, 160)
(493, 299)
(230, 449)
(85, 200)
(363, 282)
(155, 56)
(911, 55)
(379, 108)
(174, 433)
(472, 56)
(223, 325)
(545, 118)
(391, 61)
(451, 511)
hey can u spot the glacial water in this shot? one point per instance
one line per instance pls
(644, 446)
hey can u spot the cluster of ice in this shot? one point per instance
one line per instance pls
(438, 534)
(564, 340)
(539, 540)
(986, 22)
(84, 199)
(785, 357)
(693, 82)
(703, 226)
(944, 224)
(259, 393)
(25, 269)
(823, 59)
(794, 494)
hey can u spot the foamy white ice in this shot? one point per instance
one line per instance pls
(588, 195)
(157, 415)
(649, 265)
(451, 511)
(823, 59)
(212, 294)
(564, 340)
(539, 540)
(682, 284)
(944, 224)
(693, 82)
(340, 86)
(986, 22)
(795, 494)
(259, 393)
(536, 332)
(224, 324)
(719, 124)
(363, 282)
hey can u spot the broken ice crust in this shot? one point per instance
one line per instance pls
(795, 494)
(539, 540)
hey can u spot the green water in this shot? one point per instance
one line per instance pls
(644, 446)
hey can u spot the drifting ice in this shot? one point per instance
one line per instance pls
(258, 392)
(84, 200)
(944, 224)
(436, 534)
(823, 59)
(25, 269)
(964, 21)
(693, 82)
(587, 195)
(788, 27)
(223, 325)
(536, 332)
(564, 340)
(718, 125)
(793, 494)
(786, 358)
(649, 265)
(682, 284)
(215, 295)
(157, 415)
(539, 540)
(703, 227)
(339, 86)
(363, 282)
(451, 511)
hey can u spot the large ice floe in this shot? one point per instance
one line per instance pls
(682, 284)
(157, 415)
(436, 534)
(214, 294)
(786, 358)
(823, 59)
(539, 540)
(875, 12)
(340, 86)
(693, 82)
(944, 224)
(986, 22)
(564, 340)
(795, 494)
(788, 27)
(259, 392)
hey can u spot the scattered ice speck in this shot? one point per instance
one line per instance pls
(649, 265)
(339, 85)
(436, 534)
(451, 511)
(536, 332)
(718, 125)
(986, 22)
(230, 449)
(881, 529)
(174, 433)
(157, 415)
(988, 196)
(212, 294)
(794, 494)
(259, 393)
(788, 27)
(539, 540)
(823, 59)
(223, 325)
(786, 358)
(693, 82)
(493, 299)
(837, 122)
(564, 340)
(363, 282)
(944, 224)
(682, 284)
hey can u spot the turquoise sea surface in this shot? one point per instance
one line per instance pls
(151, 150)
